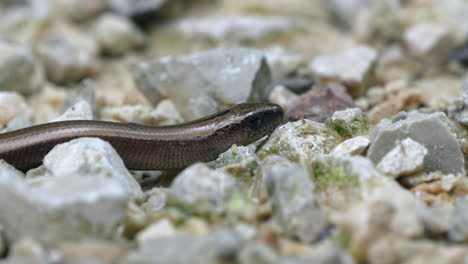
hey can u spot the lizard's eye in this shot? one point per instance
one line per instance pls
(254, 122)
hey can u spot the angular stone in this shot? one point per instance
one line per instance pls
(283, 63)
(202, 190)
(460, 108)
(430, 42)
(257, 253)
(210, 248)
(352, 67)
(80, 111)
(17, 69)
(406, 158)
(90, 158)
(351, 147)
(239, 161)
(434, 131)
(140, 114)
(116, 34)
(68, 55)
(292, 199)
(320, 103)
(298, 140)
(203, 83)
(162, 228)
(354, 179)
(350, 122)
(53, 209)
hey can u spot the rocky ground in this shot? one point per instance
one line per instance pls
(369, 166)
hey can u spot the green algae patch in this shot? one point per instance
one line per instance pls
(338, 176)
(350, 123)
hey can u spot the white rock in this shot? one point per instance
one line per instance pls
(79, 111)
(90, 158)
(162, 228)
(242, 27)
(53, 209)
(166, 113)
(13, 105)
(117, 34)
(351, 147)
(127, 113)
(201, 189)
(406, 158)
(428, 39)
(282, 62)
(351, 65)
(16, 68)
(203, 83)
(346, 115)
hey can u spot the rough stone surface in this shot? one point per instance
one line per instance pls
(90, 158)
(202, 83)
(240, 161)
(406, 158)
(52, 209)
(116, 34)
(300, 140)
(354, 179)
(205, 249)
(202, 190)
(350, 122)
(282, 62)
(12, 106)
(17, 68)
(460, 108)
(140, 114)
(257, 253)
(320, 103)
(291, 195)
(433, 131)
(162, 228)
(352, 146)
(352, 66)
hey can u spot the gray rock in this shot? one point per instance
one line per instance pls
(26, 251)
(458, 228)
(232, 28)
(352, 146)
(202, 190)
(203, 83)
(17, 68)
(133, 8)
(91, 252)
(88, 158)
(292, 199)
(298, 140)
(352, 66)
(85, 91)
(284, 97)
(406, 158)
(283, 62)
(53, 209)
(434, 131)
(188, 248)
(116, 34)
(67, 55)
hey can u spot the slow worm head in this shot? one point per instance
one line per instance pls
(148, 147)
